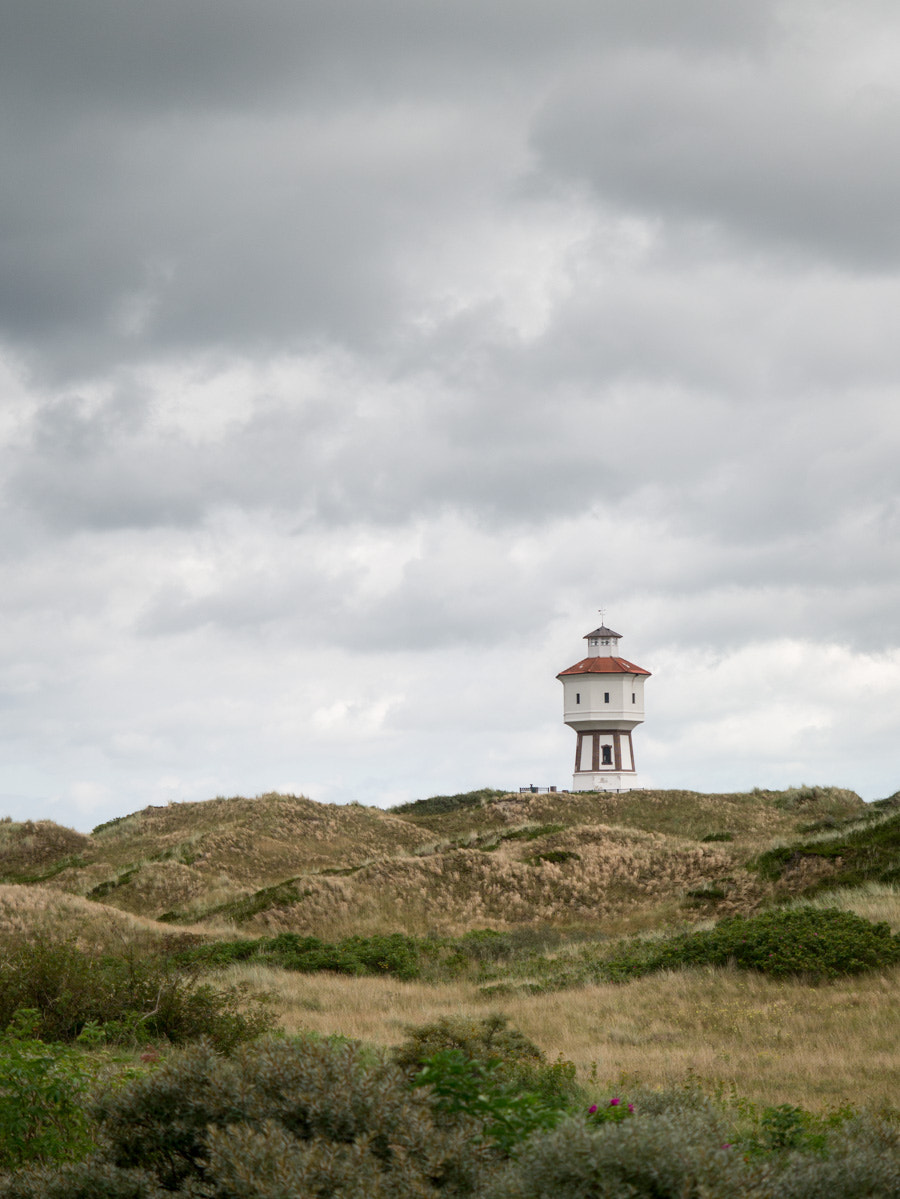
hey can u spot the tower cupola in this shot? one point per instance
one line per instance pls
(603, 642)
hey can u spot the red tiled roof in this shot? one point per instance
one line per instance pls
(604, 665)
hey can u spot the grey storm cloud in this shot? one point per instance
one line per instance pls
(209, 174)
(765, 152)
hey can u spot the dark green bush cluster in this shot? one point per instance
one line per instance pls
(556, 856)
(130, 999)
(393, 954)
(824, 943)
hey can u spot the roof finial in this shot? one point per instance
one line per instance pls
(602, 612)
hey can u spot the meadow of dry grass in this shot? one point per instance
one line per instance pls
(772, 1041)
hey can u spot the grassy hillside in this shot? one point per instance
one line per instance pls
(605, 863)
(560, 877)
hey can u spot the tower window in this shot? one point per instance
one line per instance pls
(607, 755)
(577, 697)
(606, 697)
(593, 641)
(633, 698)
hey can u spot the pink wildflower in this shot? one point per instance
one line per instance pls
(614, 1102)
(591, 1110)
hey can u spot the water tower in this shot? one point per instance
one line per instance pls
(603, 700)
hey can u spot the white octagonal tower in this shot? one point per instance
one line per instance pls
(603, 700)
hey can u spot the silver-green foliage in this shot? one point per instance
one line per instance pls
(862, 1162)
(681, 1155)
(679, 1147)
(282, 1110)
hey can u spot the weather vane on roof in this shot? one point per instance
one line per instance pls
(602, 612)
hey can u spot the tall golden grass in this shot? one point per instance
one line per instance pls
(771, 1041)
(30, 911)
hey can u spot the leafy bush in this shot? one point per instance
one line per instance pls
(613, 1112)
(84, 1180)
(683, 1144)
(862, 1162)
(393, 954)
(663, 1157)
(283, 1118)
(824, 943)
(464, 1085)
(127, 999)
(42, 1090)
(494, 1045)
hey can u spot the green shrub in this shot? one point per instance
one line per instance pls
(255, 1122)
(823, 943)
(463, 1085)
(493, 1044)
(83, 1180)
(127, 999)
(392, 954)
(42, 1091)
(487, 945)
(661, 1157)
(862, 1162)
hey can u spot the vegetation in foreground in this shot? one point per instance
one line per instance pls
(482, 1115)
(101, 998)
(142, 1073)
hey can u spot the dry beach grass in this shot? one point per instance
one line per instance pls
(773, 1041)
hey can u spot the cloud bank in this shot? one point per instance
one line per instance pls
(351, 356)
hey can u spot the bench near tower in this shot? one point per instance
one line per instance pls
(603, 700)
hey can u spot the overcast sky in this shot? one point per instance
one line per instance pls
(353, 353)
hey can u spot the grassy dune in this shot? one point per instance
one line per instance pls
(607, 862)
(585, 865)
(29, 911)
